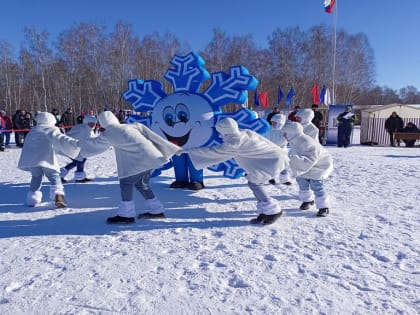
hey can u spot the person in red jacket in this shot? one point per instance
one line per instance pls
(292, 115)
(2, 127)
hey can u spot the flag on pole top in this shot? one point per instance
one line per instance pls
(289, 96)
(329, 5)
(279, 96)
(315, 94)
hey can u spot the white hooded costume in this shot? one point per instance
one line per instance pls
(41, 145)
(137, 148)
(308, 158)
(43, 141)
(260, 158)
(275, 134)
(306, 115)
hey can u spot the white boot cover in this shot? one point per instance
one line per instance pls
(79, 175)
(306, 195)
(322, 202)
(153, 206)
(284, 178)
(269, 207)
(33, 198)
(56, 190)
(126, 209)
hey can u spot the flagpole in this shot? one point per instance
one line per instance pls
(334, 50)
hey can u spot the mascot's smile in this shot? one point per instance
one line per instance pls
(180, 141)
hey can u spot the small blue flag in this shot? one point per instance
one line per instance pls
(256, 99)
(290, 96)
(279, 96)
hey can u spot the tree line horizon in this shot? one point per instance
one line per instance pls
(87, 68)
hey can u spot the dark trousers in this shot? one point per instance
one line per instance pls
(80, 165)
(344, 135)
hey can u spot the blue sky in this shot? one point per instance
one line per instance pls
(393, 27)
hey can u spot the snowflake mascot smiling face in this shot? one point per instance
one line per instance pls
(187, 117)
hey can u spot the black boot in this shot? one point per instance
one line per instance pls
(118, 219)
(258, 219)
(195, 185)
(271, 218)
(272, 181)
(179, 184)
(306, 205)
(323, 212)
(84, 180)
(148, 215)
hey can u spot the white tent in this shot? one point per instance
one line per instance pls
(372, 121)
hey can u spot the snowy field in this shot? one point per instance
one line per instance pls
(205, 257)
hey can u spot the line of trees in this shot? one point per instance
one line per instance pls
(87, 68)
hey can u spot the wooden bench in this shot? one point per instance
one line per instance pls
(398, 136)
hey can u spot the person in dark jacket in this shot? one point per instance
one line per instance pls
(68, 119)
(276, 110)
(392, 124)
(345, 127)
(317, 120)
(17, 121)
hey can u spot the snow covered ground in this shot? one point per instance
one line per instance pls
(205, 257)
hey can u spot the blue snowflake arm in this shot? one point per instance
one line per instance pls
(230, 88)
(188, 73)
(143, 95)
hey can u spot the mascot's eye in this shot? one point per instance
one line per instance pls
(182, 113)
(169, 116)
(169, 119)
(183, 117)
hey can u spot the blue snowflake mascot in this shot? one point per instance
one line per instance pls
(187, 117)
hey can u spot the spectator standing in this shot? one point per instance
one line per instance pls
(57, 116)
(392, 124)
(345, 127)
(317, 120)
(2, 128)
(8, 127)
(28, 123)
(292, 115)
(67, 119)
(17, 121)
(79, 119)
(276, 110)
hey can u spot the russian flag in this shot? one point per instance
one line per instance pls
(329, 5)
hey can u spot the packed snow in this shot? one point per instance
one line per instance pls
(205, 257)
